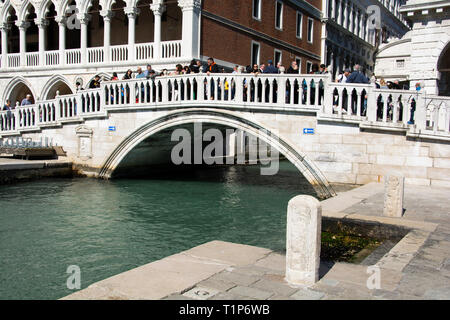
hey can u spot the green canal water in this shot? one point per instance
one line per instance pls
(107, 227)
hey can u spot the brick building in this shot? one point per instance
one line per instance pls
(252, 31)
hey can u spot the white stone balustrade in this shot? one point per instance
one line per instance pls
(377, 109)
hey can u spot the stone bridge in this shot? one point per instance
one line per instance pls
(332, 132)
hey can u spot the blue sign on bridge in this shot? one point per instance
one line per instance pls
(112, 128)
(308, 130)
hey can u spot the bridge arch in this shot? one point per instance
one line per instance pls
(309, 170)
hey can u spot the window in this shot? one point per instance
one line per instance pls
(278, 15)
(277, 57)
(299, 25)
(308, 66)
(257, 9)
(400, 64)
(255, 53)
(299, 64)
(310, 30)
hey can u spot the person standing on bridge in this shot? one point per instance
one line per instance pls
(149, 71)
(26, 101)
(95, 83)
(212, 68)
(270, 69)
(7, 106)
(128, 75)
(140, 74)
(357, 76)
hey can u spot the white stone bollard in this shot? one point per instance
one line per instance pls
(393, 196)
(304, 222)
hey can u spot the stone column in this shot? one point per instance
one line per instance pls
(393, 196)
(333, 9)
(23, 26)
(191, 28)
(339, 4)
(361, 25)
(4, 29)
(107, 15)
(304, 220)
(62, 38)
(131, 13)
(345, 14)
(325, 6)
(42, 25)
(84, 20)
(158, 10)
(350, 17)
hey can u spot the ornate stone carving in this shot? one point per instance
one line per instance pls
(84, 134)
(190, 4)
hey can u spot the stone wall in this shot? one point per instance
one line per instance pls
(342, 152)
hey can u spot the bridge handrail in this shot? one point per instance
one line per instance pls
(359, 103)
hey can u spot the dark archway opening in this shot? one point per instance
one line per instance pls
(60, 88)
(32, 33)
(73, 34)
(52, 31)
(13, 33)
(444, 69)
(19, 92)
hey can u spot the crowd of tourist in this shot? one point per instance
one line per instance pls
(196, 66)
(211, 66)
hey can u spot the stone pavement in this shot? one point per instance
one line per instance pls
(417, 267)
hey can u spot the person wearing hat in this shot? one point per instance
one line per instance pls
(271, 69)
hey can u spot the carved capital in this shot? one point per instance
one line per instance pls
(5, 27)
(41, 23)
(84, 18)
(22, 25)
(157, 8)
(107, 14)
(131, 12)
(190, 4)
(61, 20)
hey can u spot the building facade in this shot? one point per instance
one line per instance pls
(352, 31)
(423, 54)
(47, 46)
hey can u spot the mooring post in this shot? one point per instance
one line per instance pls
(393, 196)
(304, 221)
